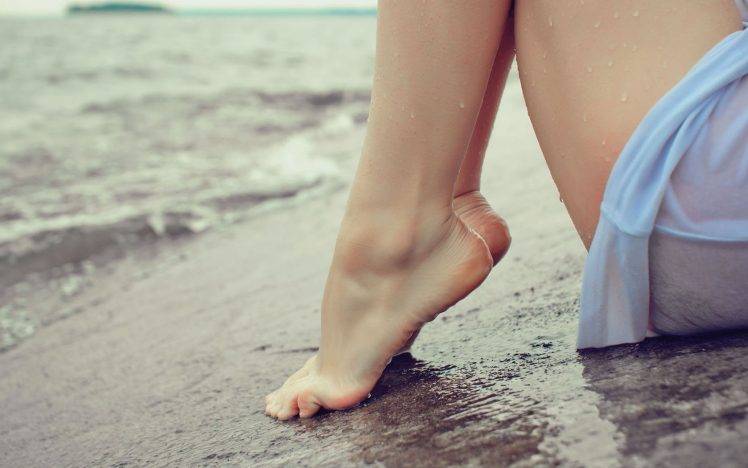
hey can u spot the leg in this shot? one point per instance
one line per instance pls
(591, 70)
(469, 203)
(403, 255)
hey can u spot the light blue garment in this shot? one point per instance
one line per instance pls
(684, 173)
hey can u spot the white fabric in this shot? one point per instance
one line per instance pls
(683, 173)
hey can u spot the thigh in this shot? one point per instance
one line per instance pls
(590, 71)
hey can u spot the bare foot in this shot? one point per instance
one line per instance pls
(477, 214)
(473, 209)
(383, 286)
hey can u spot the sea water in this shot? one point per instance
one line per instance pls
(124, 129)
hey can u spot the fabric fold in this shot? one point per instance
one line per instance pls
(615, 285)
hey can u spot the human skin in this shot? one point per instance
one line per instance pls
(469, 203)
(590, 71)
(403, 254)
(417, 236)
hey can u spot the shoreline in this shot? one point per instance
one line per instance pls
(169, 357)
(56, 286)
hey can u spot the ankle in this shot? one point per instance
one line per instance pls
(390, 238)
(463, 189)
(470, 200)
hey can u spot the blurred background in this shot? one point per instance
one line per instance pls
(128, 124)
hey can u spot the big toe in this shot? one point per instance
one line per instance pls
(284, 405)
(288, 409)
(271, 405)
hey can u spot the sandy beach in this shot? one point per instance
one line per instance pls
(170, 354)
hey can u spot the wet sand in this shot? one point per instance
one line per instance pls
(170, 356)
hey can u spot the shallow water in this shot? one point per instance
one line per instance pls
(119, 128)
(119, 131)
(164, 356)
(171, 368)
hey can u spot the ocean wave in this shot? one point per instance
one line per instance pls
(83, 237)
(314, 99)
(33, 244)
(143, 134)
(294, 100)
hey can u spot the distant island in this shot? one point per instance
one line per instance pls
(149, 7)
(117, 7)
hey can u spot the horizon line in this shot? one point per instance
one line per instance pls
(272, 11)
(249, 11)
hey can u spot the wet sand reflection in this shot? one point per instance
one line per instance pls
(675, 401)
(439, 415)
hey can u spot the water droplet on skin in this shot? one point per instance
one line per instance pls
(412, 115)
(616, 15)
(610, 63)
(545, 54)
(545, 71)
(462, 105)
(624, 97)
(550, 21)
(597, 25)
(634, 48)
(560, 199)
(584, 117)
(605, 140)
(589, 69)
(635, 13)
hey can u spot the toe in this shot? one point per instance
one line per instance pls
(287, 408)
(267, 406)
(274, 408)
(308, 405)
(286, 414)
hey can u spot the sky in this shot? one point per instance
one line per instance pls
(46, 7)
